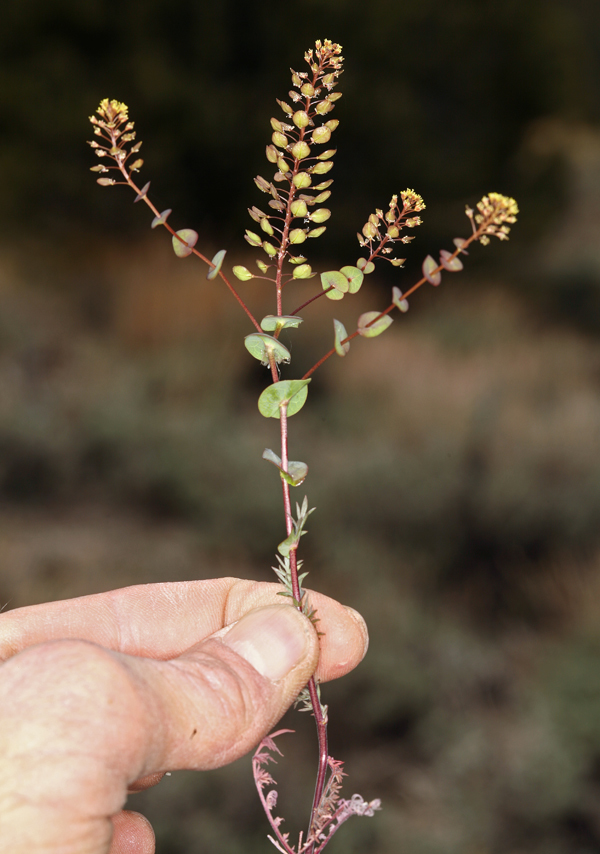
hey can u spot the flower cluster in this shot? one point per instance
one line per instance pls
(495, 210)
(292, 151)
(115, 130)
(381, 230)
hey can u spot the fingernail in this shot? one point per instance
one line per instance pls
(360, 622)
(273, 640)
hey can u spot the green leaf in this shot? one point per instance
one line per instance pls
(365, 266)
(271, 457)
(262, 347)
(190, 237)
(429, 266)
(161, 218)
(292, 392)
(355, 278)
(296, 470)
(303, 271)
(400, 303)
(218, 262)
(340, 333)
(459, 242)
(335, 279)
(273, 322)
(377, 328)
(242, 273)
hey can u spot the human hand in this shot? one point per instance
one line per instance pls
(103, 694)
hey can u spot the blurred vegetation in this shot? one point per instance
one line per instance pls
(453, 462)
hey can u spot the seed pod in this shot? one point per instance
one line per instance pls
(301, 119)
(300, 149)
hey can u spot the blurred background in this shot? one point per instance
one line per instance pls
(454, 461)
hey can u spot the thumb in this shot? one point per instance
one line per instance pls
(223, 695)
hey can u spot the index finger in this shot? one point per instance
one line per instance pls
(163, 620)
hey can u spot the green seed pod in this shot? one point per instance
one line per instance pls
(369, 230)
(262, 185)
(317, 232)
(283, 166)
(327, 155)
(331, 124)
(272, 154)
(266, 226)
(300, 149)
(242, 273)
(307, 89)
(323, 107)
(262, 266)
(302, 180)
(320, 215)
(252, 238)
(276, 125)
(297, 235)
(324, 185)
(285, 107)
(334, 96)
(322, 168)
(393, 231)
(279, 139)
(269, 249)
(298, 208)
(303, 271)
(301, 119)
(295, 78)
(321, 135)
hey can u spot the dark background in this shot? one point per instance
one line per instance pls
(454, 461)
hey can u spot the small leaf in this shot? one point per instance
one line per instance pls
(377, 327)
(340, 333)
(303, 271)
(365, 266)
(429, 266)
(263, 347)
(294, 392)
(295, 474)
(275, 323)
(161, 218)
(450, 263)
(242, 273)
(189, 236)
(271, 457)
(218, 262)
(459, 242)
(296, 470)
(335, 279)
(355, 278)
(400, 303)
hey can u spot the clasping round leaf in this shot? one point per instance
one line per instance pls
(355, 278)
(377, 327)
(274, 322)
(340, 333)
(292, 392)
(263, 347)
(161, 218)
(400, 303)
(218, 262)
(450, 263)
(190, 238)
(429, 266)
